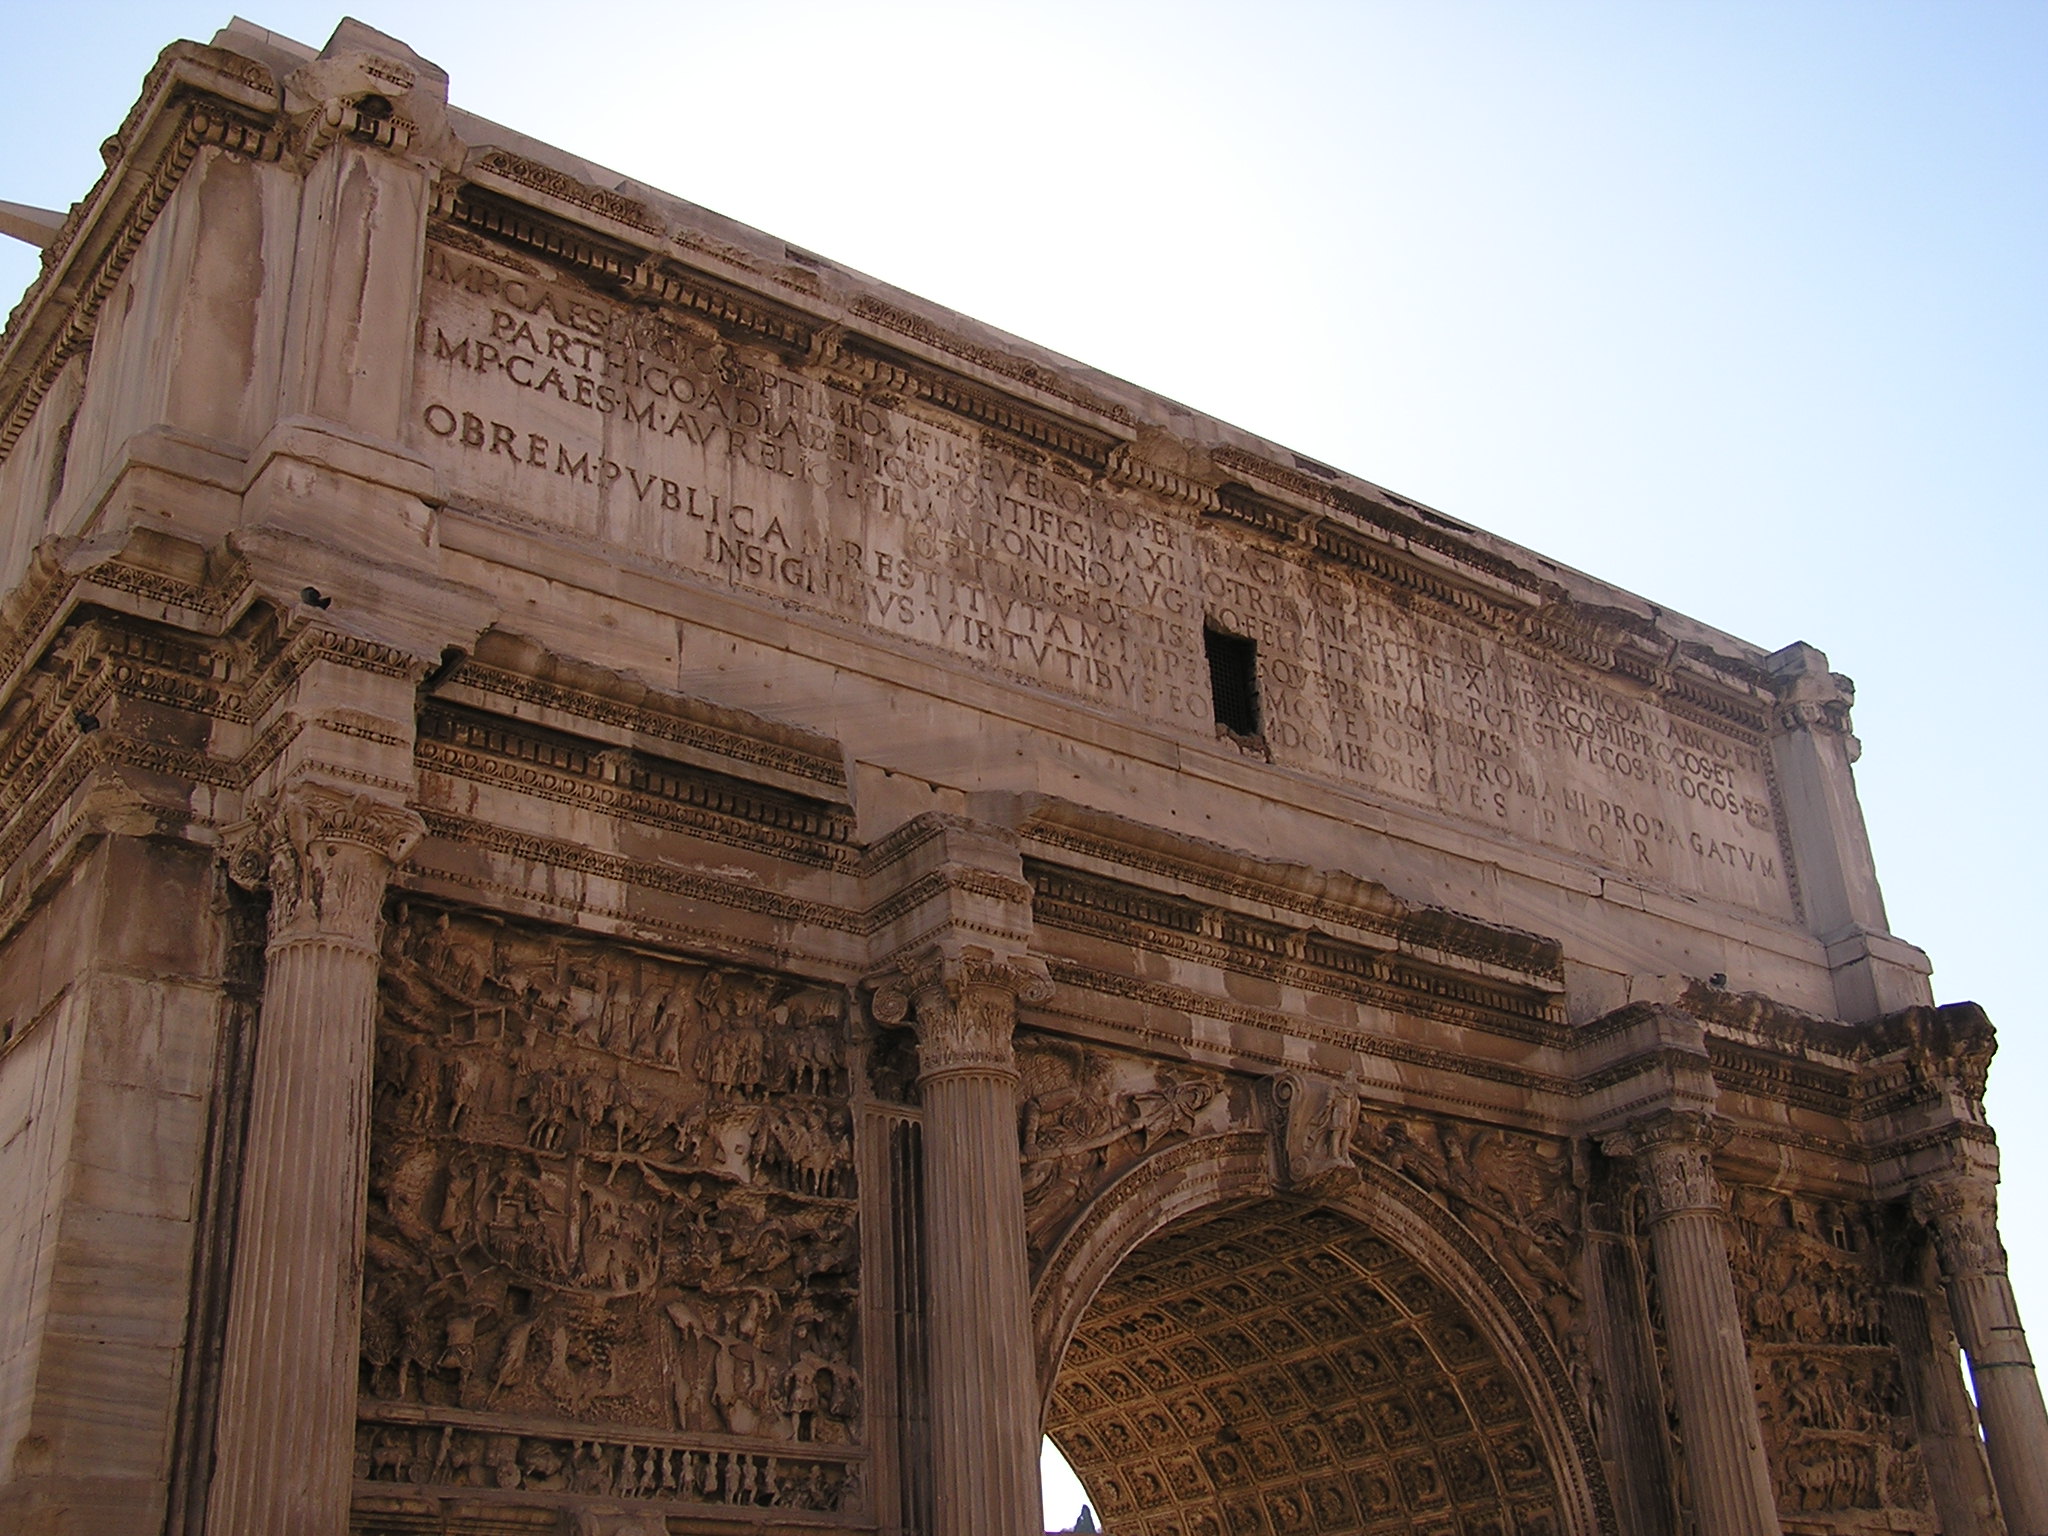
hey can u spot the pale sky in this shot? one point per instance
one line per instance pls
(1737, 305)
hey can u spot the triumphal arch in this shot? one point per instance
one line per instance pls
(647, 886)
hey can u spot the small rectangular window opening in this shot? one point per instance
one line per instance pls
(1233, 681)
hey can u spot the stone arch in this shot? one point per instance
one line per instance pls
(1368, 1366)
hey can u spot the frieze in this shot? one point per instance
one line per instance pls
(562, 853)
(648, 1470)
(632, 785)
(614, 1190)
(1810, 1284)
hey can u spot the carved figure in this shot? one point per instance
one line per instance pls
(1086, 1116)
(610, 1189)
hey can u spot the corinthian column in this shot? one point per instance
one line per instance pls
(286, 1435)
(1724, 1449)
(1962, 1212)
(984, 1393)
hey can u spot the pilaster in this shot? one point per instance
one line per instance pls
(1813, 751)
(369, 118)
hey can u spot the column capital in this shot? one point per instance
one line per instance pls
(1673, 1151)
(962, 1003)
(1961, 1211)
(1810, 697)
(325, 855)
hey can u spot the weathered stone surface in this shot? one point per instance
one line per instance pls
(646, 886)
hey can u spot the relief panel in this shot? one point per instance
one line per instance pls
(613, 1191)
(1833, 1402)
(1086, 1116)
(1518, 1194)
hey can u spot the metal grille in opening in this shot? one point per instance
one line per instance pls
(1233, 681)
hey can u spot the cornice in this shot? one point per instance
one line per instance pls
(1450, 1064)
(1393, 541)
(1044, 380)
(194, 97)
(614, 240)
(562, 853)
(139, 580)
(530, 760)
(515, 677)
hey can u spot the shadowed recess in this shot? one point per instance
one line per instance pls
(1271, 1368)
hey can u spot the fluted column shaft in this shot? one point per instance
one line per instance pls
(1725, 1462)
(286, 1436)
(983, 1380)
(1963, 1215)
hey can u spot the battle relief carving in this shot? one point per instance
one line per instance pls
(610, 1190)
(1088, 1115)
(1836, 1419)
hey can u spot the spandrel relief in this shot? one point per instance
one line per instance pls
(1830, 1391)
(1518, 1194)
(615, 1190)
(1087, 1115)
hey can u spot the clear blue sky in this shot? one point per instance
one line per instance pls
(1737, 305)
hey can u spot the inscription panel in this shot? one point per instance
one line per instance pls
(646, 431)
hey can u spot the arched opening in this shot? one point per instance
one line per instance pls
(1267, 1365)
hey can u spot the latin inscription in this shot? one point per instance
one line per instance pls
(616, 424)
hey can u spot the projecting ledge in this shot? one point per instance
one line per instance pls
(33, 226)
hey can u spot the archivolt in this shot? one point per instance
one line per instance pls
(1212, 1352)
